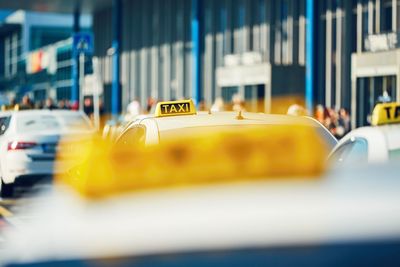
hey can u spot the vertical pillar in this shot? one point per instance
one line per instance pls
(116, 40)
(370, 17)
(75, 66)
(397, 83)
(348, 44)
(328, 56)
(394, 15)
(195, 27)
(302, 33)
(359, 26)
(310, 50)
(354, 96)
(377, 16)
(338, 63)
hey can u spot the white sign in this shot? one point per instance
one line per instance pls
(381, 42)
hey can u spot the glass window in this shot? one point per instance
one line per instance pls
(132, 137)
(4, 123)
(394, 154)
(355, 151)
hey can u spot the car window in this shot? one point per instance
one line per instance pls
(354, 151)
(132, 137)
(4, 123)
(33, 123)
(394, 154)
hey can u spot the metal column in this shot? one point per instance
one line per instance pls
(328, 55)
(75, 66)
(116, 40)
(339, 28)
(195, 25)
(310, 50)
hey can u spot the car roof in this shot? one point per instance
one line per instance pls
(208, 119)
(391, 133)
(227, 118)
(352, 205)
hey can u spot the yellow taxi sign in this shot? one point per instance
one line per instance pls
(174, 108)
(386, 113)
(216, 157)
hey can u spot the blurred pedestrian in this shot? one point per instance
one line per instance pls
(11, 105)
(238, 103)
(88, 106)
(26, 103)
(218, 105)
(68, 104)
(202, 105)
(39, 104)
(344, 120)
(133, 108)
(49, 104)
(319, 113)
(296, 110)
(150, 104)
(384, 98)
(62, 104)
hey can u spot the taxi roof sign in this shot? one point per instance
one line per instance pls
(386, 113)
(175, 108)
(202, 158)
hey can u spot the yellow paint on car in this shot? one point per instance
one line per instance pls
(202, 158)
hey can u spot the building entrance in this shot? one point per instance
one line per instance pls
(370, 91)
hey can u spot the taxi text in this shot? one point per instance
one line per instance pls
(175, 108)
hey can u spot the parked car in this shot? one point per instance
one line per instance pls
(29, 141)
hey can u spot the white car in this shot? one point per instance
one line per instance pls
(220, 205)
(29, 141)
(373, 144)
(335, 221)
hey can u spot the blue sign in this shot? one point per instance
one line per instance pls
(83, 43)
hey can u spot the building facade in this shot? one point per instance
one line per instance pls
(247, 47)
(35, 54)
(257, 48)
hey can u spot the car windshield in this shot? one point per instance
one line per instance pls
(35, 122)
(394, 154)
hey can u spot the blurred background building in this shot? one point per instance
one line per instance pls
(171, 49)
(35, 54)
(246, 47)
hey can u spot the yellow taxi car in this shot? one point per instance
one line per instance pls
(175, 118)
(373, 144)
(208, 200)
